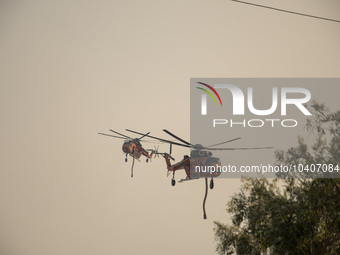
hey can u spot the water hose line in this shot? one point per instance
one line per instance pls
(133, 163)
(205, 198)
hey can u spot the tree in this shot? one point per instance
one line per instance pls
(300, 217)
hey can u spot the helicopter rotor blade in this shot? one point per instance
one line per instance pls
(112, 136)
(178, 138)
(120, 134)
(160, 139)
(143, 136)
(224, 142)
(231, 149)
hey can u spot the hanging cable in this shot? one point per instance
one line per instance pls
(282, 10)
(205, 198)
(133, 163)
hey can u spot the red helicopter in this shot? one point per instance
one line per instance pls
(133, 147)
(200, 156)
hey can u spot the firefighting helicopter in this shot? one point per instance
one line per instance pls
(133, 147)
(200, 156)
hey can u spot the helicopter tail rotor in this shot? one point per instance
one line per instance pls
(156, 151)
(164, 154)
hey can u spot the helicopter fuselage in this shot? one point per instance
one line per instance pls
(134, 149)
(198, 158)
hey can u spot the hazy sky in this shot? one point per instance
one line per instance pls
(70, 69)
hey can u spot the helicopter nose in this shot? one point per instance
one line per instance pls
(125, 148)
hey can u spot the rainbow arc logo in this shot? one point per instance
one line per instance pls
(209, 93)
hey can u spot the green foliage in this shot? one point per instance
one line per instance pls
(301, 217)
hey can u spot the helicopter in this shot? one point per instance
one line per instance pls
(199, 156)
(132, 147)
